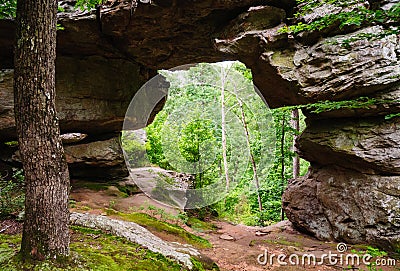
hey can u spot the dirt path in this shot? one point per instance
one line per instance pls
(241, 253)
(235, 247)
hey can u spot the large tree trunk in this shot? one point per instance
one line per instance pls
(45, 231)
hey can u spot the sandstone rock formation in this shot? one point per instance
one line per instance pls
(334, 203)
(100, 160)
(351, 194)
(92, 95)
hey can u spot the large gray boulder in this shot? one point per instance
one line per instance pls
(369, 145)
(334, 203)
(100, 160)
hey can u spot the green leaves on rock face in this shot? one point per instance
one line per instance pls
(359, 103)
(391, 116)
(353, 13)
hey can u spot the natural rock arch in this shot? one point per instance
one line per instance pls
(105, 55)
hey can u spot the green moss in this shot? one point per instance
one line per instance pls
(154, 225)
(90, 250)
(12, 143)
(129, 189)
(197, 266)
(199, 225)
(283, 59)
(203, 265)
(91, 185)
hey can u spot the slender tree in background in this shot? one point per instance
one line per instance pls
(252, 159)
(282, 154)
(223, 126)
(296, 128)
(45, 233)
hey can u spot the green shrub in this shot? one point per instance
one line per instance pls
(12, 195)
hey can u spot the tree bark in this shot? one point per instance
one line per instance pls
(45, 233)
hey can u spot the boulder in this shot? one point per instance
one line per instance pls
(368, 145)
(331, 70)
(334, 203)
(72, 138)
(100, 160)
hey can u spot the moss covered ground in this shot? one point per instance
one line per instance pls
(157, 226)
(90, 250)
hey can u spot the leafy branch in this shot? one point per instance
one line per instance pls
(360, 15)
(391, 116)
(8, 8)
(326, 106)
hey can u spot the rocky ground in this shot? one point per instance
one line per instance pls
(234, 247)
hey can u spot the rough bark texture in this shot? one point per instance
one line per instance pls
(45, 232)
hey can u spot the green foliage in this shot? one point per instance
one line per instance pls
(374, 253)
(154, 147)
(12, 195)
(241, 203)
(361, 102)
(135, 150)
(87, 4)
(11, 143)
(391, 116)
(346, 43)
(194, 134)
(8, 9)
(356, 15)
(358, 103)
